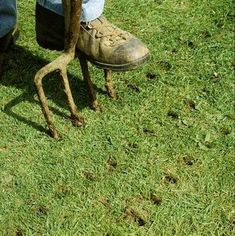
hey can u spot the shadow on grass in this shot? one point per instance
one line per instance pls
(20, 69)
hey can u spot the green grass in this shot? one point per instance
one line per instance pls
(159, 161)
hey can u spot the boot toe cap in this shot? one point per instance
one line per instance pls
(132, 53)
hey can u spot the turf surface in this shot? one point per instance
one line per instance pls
(159, 161)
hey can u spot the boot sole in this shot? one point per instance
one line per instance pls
(121, 67)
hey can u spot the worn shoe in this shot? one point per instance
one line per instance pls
(5, 43)
(104, 44)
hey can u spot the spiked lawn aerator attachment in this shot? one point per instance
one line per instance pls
(72, 12)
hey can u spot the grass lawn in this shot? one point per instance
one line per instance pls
(158, 161)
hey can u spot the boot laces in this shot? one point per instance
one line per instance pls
(104, 29)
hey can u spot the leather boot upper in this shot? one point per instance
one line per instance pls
(101, 42)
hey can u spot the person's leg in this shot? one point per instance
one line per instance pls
(91, 9)
(7, 16)
(7, 26)
(51, 12)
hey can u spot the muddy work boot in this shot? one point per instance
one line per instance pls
(5, 43)
(103, 44)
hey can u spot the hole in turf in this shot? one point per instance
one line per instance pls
(135, 216)
(206, 34)
(173, 114)
(17, 232)
(149, 132)
(140, 221)
(170, 178)
(226, 130)
(89, 175)
(233, 221)
(190, 44)
(133, 145)
(104, 201)
(151, 76)
(40, 210)
(164, 65)
(188, 160)
(159, 2)
(209, 144)
(190, 103)
(174, 51)
(112, 163)
(156, 200)
(62, 190)
(133, 87)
